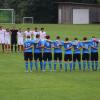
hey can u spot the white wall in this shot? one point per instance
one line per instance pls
(80, 16)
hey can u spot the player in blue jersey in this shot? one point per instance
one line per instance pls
(77, 45)
(57, 44)
(86, 53)
(28, 55)
(38, 52)
(94, 53)
(68, 54)
(47, 53)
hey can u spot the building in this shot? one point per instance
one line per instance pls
(78, 13)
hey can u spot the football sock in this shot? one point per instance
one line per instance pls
(31, 65)
(66, 64)
(26, 65)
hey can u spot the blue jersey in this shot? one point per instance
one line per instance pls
(58, 46)
(86, 46)
(28, 44)
(37, 46)
(47, 46)
(67, 46)
(94, 46)
(77, 47)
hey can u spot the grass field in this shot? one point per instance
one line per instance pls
(15, 84)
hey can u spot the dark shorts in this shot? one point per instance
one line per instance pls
(86, 56)
(58, 56)
(13, 42)
(28, 56)
(68, 57)
(94, 56)
(76, 57)
(47, 56)
(38, 56)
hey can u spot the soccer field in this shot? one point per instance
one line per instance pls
(15, 84)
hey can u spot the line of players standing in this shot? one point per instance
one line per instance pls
(13, 38)
(72, 53)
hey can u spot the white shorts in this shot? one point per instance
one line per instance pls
(2, 41)
(20, 42)
(7, 41)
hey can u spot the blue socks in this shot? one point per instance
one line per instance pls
(92, 65)
(79, 64)
(55, 63)
(44, 66)
(96, 65)
(31, 66)
(66, 64)
(60, 63)
(36, 65)
(84, 65)
(88, 65)
(41, 65)
(71, 66)
(50, 67)
(74, 63)
(26, 65)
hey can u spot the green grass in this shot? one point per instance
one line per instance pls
(15, 84)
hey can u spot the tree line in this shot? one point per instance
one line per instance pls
(43, 11)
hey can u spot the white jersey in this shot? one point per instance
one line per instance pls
(28, 33)
(7, 37)
(20, 38)
(2, 35)
(35, 33)
(42, 35)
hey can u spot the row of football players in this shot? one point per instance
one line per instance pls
(14, 37)
(72, 53)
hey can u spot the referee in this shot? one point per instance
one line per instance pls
(14, 39)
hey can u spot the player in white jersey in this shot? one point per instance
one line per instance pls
(20, 35)
(35, 32)
(42, 34)
(28, 33)
(7, 40)
(2, 42)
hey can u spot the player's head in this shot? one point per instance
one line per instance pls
(37, 36)
(58, 37)
(28, 29)
(14, 27)
(28, 37)
(20, 29)
(47, 37)
(84, 38)
(42, 29)
(66, 39)
(0, 27)
(7, 29)
(93, 37)
(36, 29)
(76, 38)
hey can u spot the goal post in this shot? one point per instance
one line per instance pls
(28, 20)
(7, 16)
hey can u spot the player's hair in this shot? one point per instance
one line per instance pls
(28, 37)
(37, 35)
(75, 38)
(58, 37)
(28, 28)
(93, 36)
(7, 29)
(85, 38)
(0, 26)
(66, 39)
(47, 37)
(35, 28)
(42, 28)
